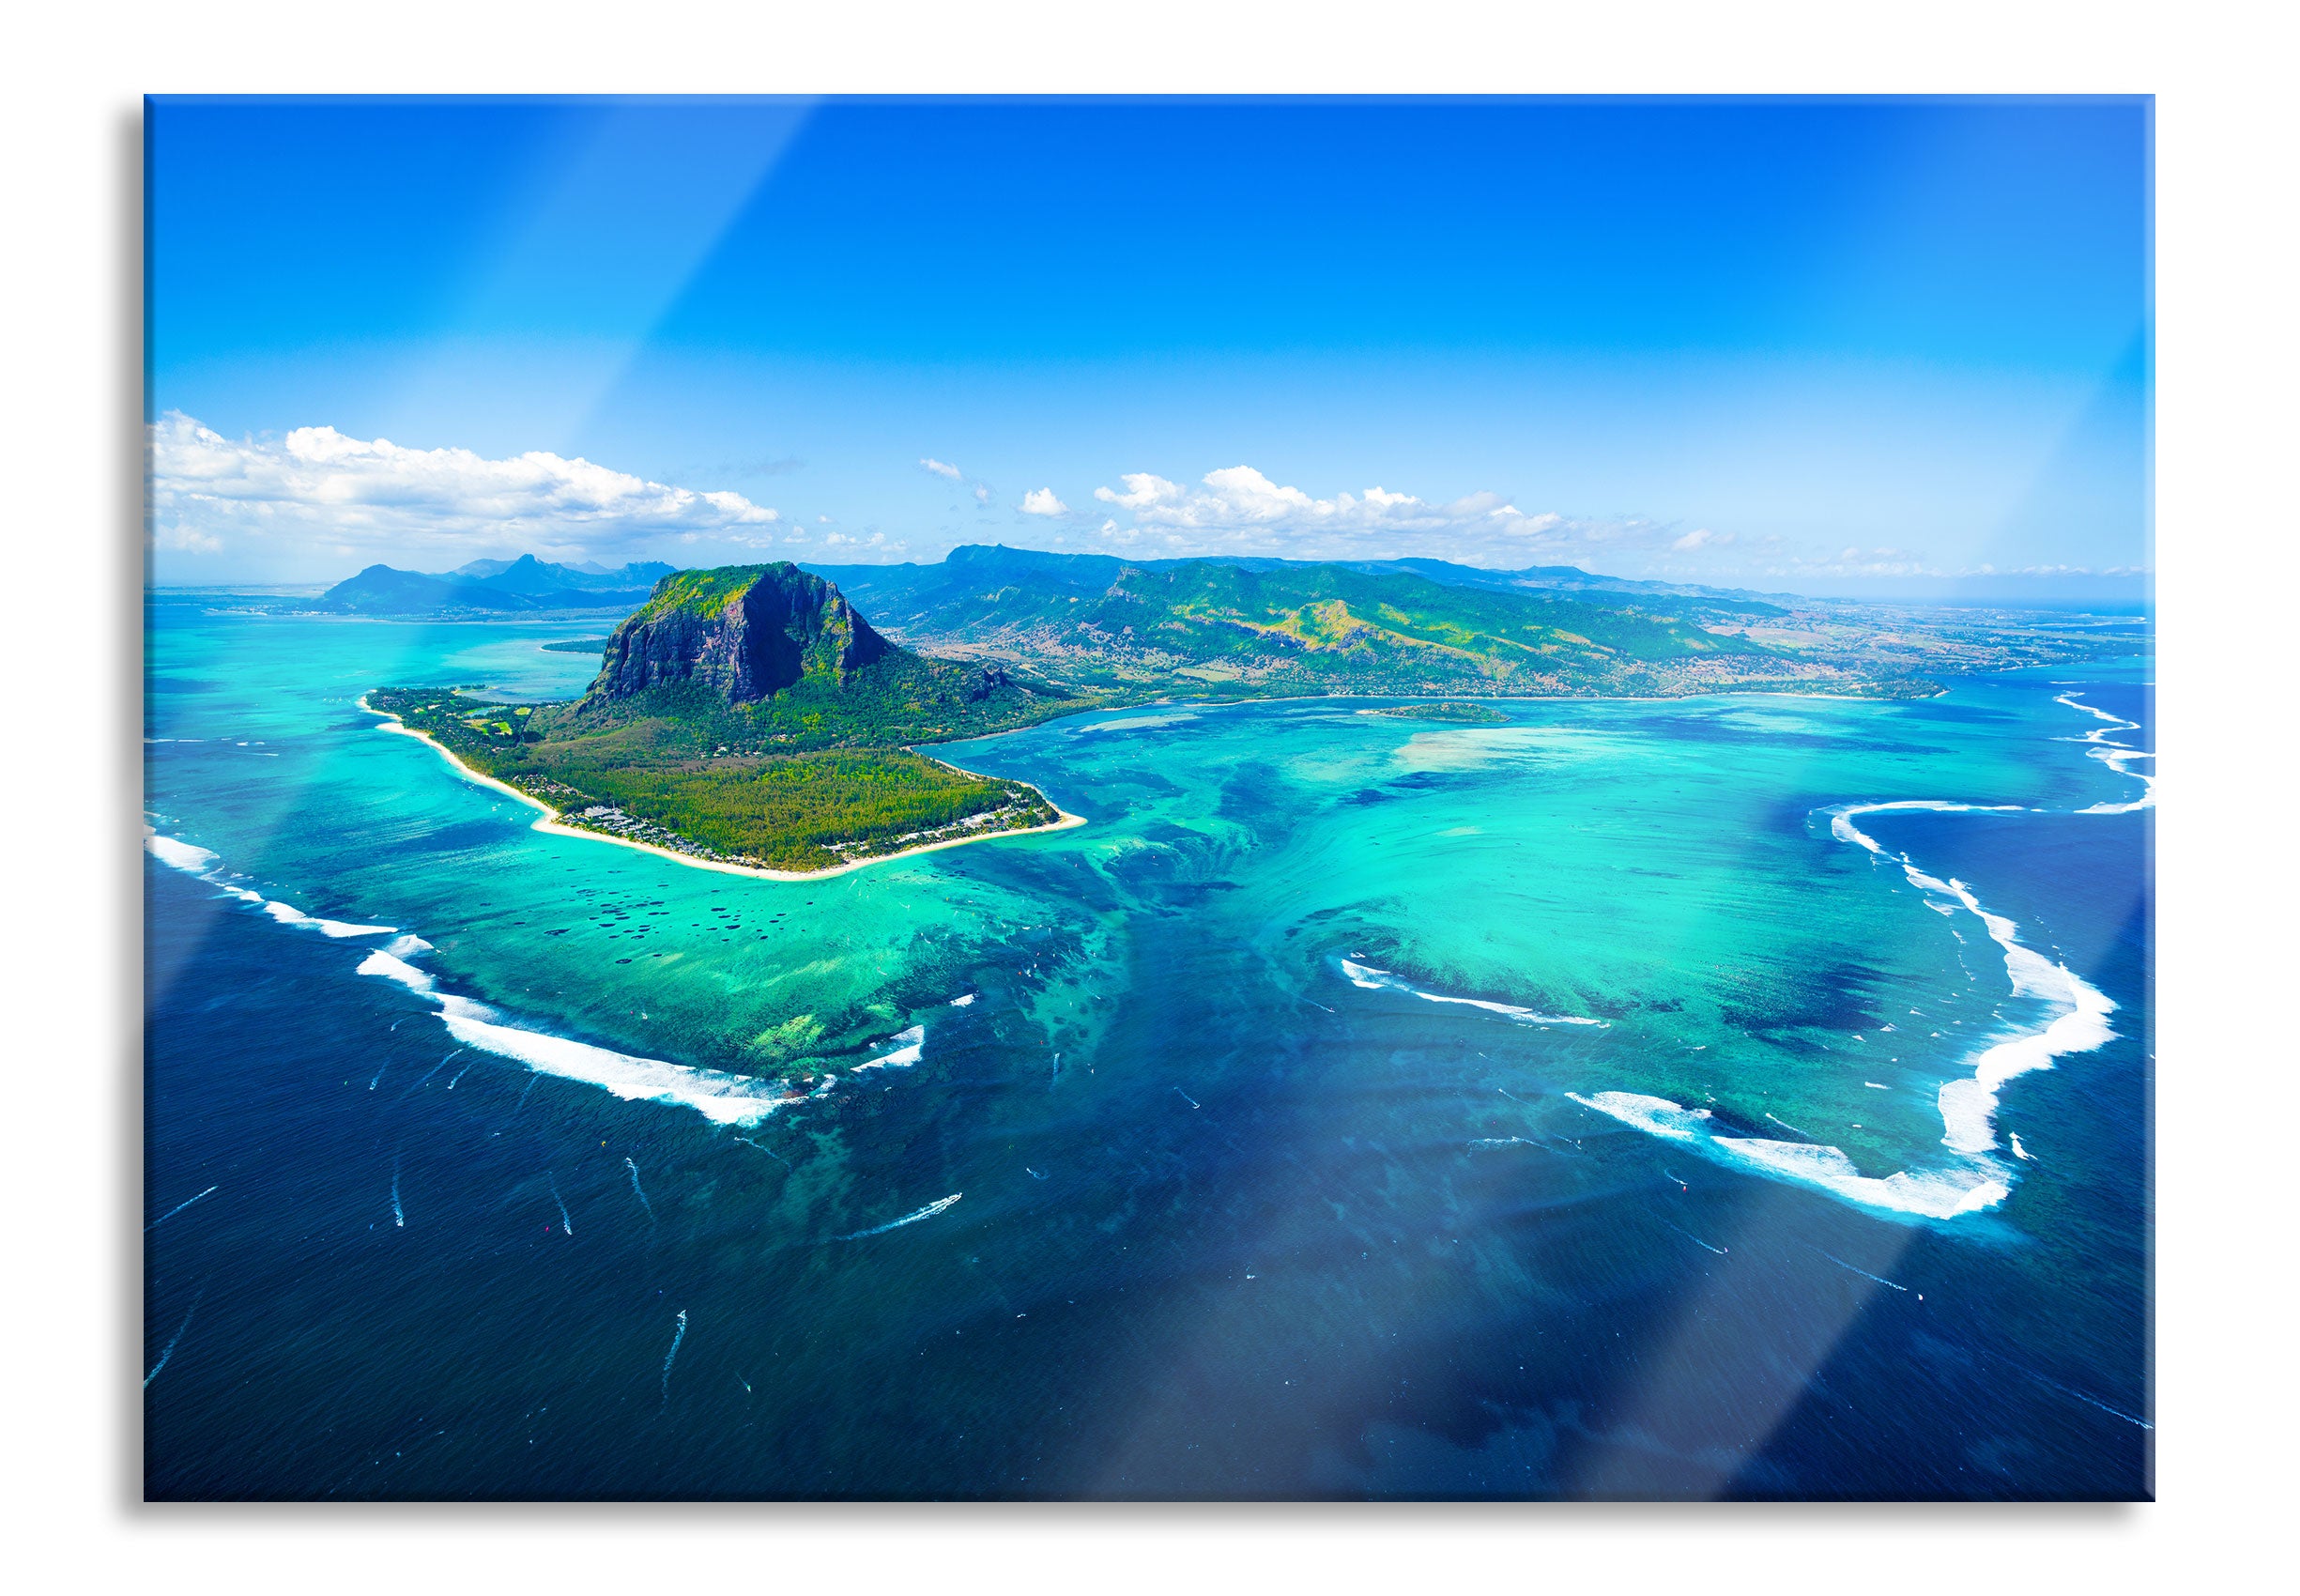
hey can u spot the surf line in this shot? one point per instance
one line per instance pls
(926, 1213)
(2079, 1023)
(720, 1097)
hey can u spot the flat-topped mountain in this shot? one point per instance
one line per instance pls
(745, 631)
(749, 714)
(766, 656)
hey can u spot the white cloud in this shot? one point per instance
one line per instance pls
(1041, 502)
(373, 498)
(1142, 491)
(982, 492)
(1239, 510)
(941, 468)
(1240, 499)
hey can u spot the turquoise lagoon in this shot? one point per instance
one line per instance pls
(1743, 1095)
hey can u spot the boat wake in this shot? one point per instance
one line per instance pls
(926, 1213)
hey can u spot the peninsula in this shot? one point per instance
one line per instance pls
(749, 718)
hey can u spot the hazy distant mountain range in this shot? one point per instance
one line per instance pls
(496, 587)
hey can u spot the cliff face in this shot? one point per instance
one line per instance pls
(745, 631)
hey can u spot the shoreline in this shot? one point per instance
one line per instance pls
(549, 822)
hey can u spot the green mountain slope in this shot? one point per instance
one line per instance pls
(748, 714)
(1300, 628)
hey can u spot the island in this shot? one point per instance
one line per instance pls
(747, 718)
(1454, 714)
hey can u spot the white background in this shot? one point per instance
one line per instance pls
(70, 562)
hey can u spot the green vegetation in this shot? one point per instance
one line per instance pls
(1461, 714)
(747, 714)
(650, 783)
(1209, 628)
(578, 646)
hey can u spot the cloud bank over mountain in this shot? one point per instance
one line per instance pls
(280, 500)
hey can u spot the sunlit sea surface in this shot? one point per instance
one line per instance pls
(1355, 1106)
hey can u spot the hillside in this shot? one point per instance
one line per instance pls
(747, 714)
(1201, 625)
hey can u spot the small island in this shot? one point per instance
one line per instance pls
(1455, 713)
(749, 718)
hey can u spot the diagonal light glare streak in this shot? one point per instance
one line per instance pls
(608, 245)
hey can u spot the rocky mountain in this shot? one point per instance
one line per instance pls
(746, 632)
(769, 656)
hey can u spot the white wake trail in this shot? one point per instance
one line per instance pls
(926, 1213)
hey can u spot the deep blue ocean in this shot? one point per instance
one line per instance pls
(1230, 1222)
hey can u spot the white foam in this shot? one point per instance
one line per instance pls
(962, 1001)
(391, 969)
(406, 947)
(1968, 1107)
(2116, 756)
(288, 915)
(182, 855)
(1372, 979)
(910, 1046)
(718, 1097)
(1939, 1195)
(1841, 819)
(1656, 1117)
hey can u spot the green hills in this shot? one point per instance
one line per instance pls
(1275, 628)
(747, 714)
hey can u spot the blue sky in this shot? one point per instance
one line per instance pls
(1812, 345)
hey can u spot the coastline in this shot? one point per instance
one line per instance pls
(549, 820)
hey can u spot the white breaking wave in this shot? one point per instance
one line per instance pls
(1968, 1107)
(962, 1001)
(288, 915)
(1372, 979)
(182, 855)
(2115, 756)
(721, 1097)
(910, 1046)
(194, 860)
(2079, 1023)
(393, 968)
(926, 1213)
(1656, 1117)
(1933, 1196)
